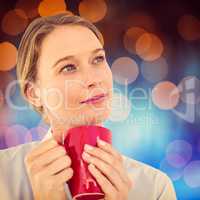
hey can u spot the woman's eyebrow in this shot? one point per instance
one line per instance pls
(72, 56)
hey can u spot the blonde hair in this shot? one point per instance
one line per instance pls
(29, 47)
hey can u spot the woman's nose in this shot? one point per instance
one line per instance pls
(92, 78)
(91, 85)
(93, 81)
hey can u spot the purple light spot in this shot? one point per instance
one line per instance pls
(179, 153)
(192, 174)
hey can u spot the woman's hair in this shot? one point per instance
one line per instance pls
(29, 47)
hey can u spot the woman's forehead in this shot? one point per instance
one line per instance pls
(71, 40)
(66, 41)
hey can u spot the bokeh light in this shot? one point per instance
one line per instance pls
(121, 107)
(189, 27)
(179, 153)
(189, 88)
(1, 99)
(125, 70)
(165, 95)
(3, 127)
(192, 175)
(6, 115)
(130, 38)
(5, 83)
(14, 22)
(42, 129)
(28, 137)
(35, 134)
(15, 135)
(154, 71)
(93, 10)
(8, 56)
(51, 7)
(149, 47)
(30, 7)
(174, 173)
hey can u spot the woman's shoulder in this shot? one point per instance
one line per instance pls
(13, 178)
(156, 182)
(132, 164)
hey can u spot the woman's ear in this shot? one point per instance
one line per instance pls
(33, 94)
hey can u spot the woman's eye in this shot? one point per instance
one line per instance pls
(68, 68)
(99, 59)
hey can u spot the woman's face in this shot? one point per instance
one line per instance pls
(71, 69)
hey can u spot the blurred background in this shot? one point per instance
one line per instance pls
(153, 48)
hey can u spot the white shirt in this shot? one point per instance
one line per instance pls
(148, 183)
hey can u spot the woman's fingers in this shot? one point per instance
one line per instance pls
(60, 164)
(106, 169)
(104, 183)
(64, 175)
(109, 159)
(51, 155)
(102, 154)
(48, 167)
(42, 148)
(46, 158)
(108, 148)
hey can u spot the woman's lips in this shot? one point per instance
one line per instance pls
(95, 99)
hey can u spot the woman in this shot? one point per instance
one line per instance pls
(61, 65)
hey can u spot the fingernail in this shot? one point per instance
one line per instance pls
(101, 142)
(91, 166)
(85, 155)
(88, 147)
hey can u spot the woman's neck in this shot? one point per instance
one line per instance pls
(60, 132)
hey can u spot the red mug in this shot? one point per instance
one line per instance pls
(83, 186)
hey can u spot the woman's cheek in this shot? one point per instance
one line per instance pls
(52, 98)
(109, 76)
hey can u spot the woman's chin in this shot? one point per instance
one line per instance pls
(89, 117)
(93, 119)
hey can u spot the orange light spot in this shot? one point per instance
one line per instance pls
(149, 47)
(93, 10)
(51, 7)
(8, 56)
(130, 38)
(14, 22)
(165, 95)
(125, 70)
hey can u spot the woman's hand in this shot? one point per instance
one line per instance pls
(48, 169)
(106, 165)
